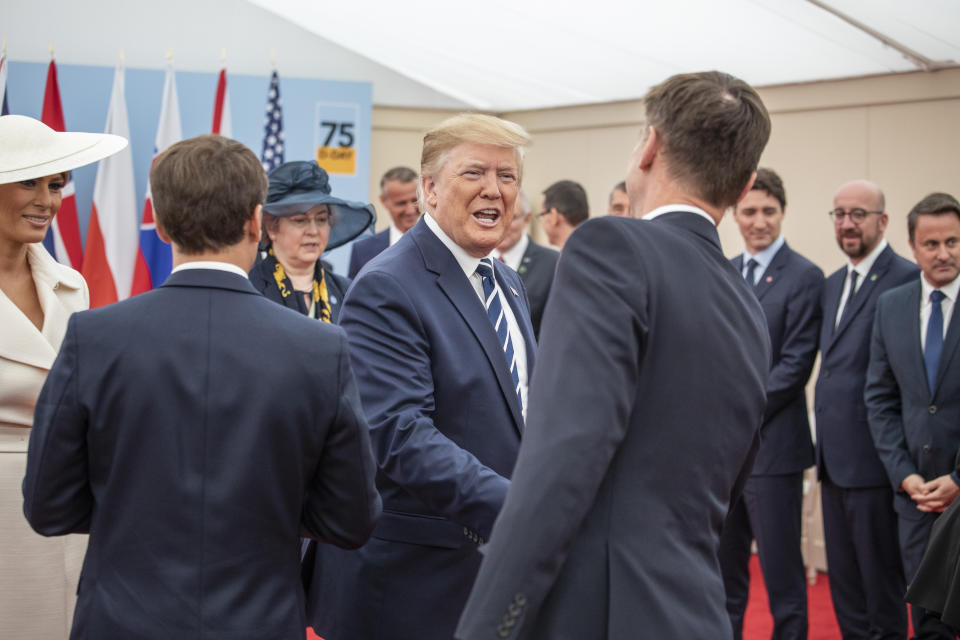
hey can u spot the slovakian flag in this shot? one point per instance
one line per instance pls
(221, 108)
(154, 259)
(271, 155)
(4, 109)
(63, 236)
(112, 235)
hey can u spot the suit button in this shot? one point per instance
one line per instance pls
(503, 631)
(926, 448)
(826, 374)
(819, 409)
(520, 599)
(932, 409)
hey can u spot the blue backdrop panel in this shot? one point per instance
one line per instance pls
(85, 91)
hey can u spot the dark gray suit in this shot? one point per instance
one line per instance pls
(643, 419)
(536, 269)
(770, 510)
(915, 431)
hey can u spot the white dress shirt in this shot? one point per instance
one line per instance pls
(946, 306)
(469, 265)
(659, 211)
(211, 264)
(862, 269)
(512, 256)
(395, 234)
(763, 258)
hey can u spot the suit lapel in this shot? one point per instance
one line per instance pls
(20, 340)
(463, 297)
(911, 324)
(771, 275)
(865, 291)
(950, 343)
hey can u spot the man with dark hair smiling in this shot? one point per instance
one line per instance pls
(612, 524)
(912, 387)
(789, 288)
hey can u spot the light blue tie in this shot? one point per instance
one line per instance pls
(491, 300)
(931, 351)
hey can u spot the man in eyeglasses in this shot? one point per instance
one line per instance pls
(860, 527)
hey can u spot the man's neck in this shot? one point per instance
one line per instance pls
(664, 193)
(237, 255)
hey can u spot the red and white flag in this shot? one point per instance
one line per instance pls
(221, 108)
(63, 236)
(154, 258)
(112, 235)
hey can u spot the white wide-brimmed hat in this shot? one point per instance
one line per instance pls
(30, 149)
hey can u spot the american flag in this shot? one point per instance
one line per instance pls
(272, 155)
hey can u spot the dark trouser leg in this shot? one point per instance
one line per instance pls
(774, 505)
(734, 563)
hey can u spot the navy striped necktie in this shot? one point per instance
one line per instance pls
(491, 300)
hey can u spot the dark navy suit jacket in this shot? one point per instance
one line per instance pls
(196, 431)
(789, 292)
(364, 249)
(537, 267)
(845, 449)
(445, 425)
(915, 431)
(644, 412)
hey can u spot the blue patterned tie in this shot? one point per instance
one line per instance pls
(931, 351)
(750, 276)
(491, 300)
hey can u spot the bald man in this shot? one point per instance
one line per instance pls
(860, 526)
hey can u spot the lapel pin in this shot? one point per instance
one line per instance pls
(514, 292)
(769, 278)
(873, 278)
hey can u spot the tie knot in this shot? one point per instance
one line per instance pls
(485, 268)
(936, 296)
(752, 263)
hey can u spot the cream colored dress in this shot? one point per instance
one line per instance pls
(38, 576)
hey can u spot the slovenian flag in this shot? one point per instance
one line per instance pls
(154, 259)
(112, 236)
(63, 236)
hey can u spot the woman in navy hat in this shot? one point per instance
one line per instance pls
(301, 220)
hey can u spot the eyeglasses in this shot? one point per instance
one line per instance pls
(856, 215)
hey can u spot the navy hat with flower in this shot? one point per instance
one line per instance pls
(296, 187)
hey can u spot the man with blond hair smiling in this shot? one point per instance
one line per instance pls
(441, 341)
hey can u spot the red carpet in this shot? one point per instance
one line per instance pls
(758, 625)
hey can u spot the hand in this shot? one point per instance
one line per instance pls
(912, 486)
(937, 494)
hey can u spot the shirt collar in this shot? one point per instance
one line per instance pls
(395, 234)
(659, 211)
(210, 264)
(867, 263)
(950, 291)
(765, 257)
(467, 262)
(514, 254)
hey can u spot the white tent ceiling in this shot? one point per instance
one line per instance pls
(499, 55)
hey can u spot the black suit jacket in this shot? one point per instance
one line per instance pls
(196, 431)
(789, 292)
(263, 281)
(845, 449)
(914, 430)
(644, 411)
(537, 267)
(364, 250)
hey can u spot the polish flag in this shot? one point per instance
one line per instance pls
(221, 108)
(63, 236)
(154, 259)
(111, 250)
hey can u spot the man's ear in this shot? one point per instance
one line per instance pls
(650, 148)
(160, 231)
(746, 189)
(254, 227)
(428, 187)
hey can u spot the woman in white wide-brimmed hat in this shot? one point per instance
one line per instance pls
(38, 576)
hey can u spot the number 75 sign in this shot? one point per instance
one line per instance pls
(334, 136)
